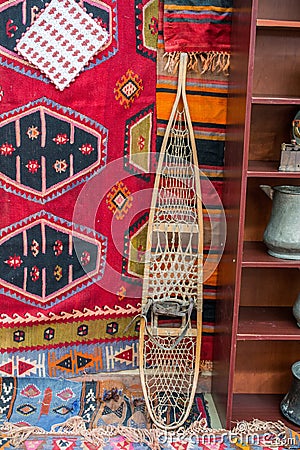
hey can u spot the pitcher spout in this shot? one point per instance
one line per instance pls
(268, 190)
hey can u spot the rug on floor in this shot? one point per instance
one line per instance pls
(31, 404)
(253, 435)
(56, 414)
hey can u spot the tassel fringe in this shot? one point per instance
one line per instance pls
(258, 426)
(98, 436)
(17, 434)
(153, 438)
(200, 62)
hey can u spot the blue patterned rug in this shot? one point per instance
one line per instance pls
(46, 405)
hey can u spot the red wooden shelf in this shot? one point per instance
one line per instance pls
(275, 100)
(258, 343)
(265, 407)
(255, 255)
(277, 23)
(267, 323)
(268, 169)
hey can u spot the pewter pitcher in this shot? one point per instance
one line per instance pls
(290, 405)
(282, 235)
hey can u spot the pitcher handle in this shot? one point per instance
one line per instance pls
(267, 190)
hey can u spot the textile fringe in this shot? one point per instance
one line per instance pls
(17, 433)
(259, 426)
(98, 436)
(73, 425)
(208, 62)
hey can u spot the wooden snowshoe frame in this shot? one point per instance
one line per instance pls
(171, 319)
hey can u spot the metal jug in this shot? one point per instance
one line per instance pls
(296, 310)
(290, 405)
(282, 235)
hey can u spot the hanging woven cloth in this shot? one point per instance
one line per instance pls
(200, 28)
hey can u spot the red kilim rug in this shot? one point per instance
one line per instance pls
(75, 184)
(77, 163)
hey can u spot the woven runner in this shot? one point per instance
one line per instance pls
(54, 414)
(48, 405)
(200, 28)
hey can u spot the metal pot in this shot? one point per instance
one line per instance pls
(290, 405)
(296, 310)
(282, 235)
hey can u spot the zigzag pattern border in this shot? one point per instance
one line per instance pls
(140, 48)
(87, 313)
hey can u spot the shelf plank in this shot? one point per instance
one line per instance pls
(259, 406)
(268, 169)
(255, 255)
(267, 323)
(275, 100)
(277, 23)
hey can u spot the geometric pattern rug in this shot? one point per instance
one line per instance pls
(76, 176)
(47, 402)
(72, 164)
(57, 414)
(123, 438)
(212, 441)
(31, 405)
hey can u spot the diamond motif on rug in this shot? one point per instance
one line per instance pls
(128, 88)
(66, 394)
(30, 391)
(26, 409)
(119, 200)
(61, 41)
(15, 20)
(62, 410)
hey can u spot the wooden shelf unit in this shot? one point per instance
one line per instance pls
(267, 169)
(266, 323)
(275, 100)
(255, 255)
(257, 338)
(277, 23)
(266, 406)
